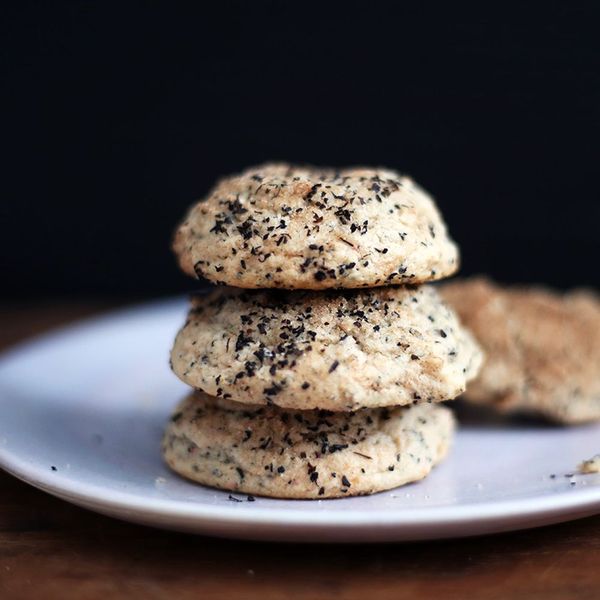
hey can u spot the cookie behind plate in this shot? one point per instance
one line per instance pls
(542, 348)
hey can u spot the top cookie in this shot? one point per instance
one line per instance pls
(542, 349)
(280, 226)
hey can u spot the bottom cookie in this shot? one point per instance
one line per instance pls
(269, 451)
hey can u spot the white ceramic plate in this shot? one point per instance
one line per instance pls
(82, 413)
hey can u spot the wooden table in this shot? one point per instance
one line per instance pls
(50, 549)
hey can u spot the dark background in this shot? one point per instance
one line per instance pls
(118, 115)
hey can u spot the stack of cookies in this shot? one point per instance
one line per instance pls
(319, 369)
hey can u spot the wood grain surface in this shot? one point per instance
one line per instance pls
(50, 549)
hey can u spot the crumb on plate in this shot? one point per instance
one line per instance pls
(592, 465)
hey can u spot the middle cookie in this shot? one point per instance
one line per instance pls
(337, 350)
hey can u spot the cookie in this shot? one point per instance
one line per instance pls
(269, 451)
(280, 226)
(542, 348)
(335, 350)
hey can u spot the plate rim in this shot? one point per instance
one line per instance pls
(58, 485)
(92, 495)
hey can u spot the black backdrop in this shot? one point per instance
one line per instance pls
(118, 115)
